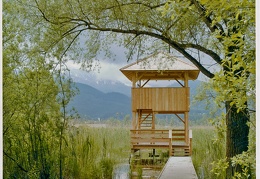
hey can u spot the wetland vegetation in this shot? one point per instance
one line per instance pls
(97, 149)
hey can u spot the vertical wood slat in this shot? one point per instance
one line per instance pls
(161, 99)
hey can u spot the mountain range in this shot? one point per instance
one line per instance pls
(91, 103)
(102, 85)
(102, 99)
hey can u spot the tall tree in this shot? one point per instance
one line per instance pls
(222, 32)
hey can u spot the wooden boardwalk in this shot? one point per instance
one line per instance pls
(178, 168)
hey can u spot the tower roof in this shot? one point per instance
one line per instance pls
(160, 66)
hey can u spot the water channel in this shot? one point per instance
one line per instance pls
(123, 171)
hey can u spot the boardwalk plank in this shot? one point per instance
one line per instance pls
(178, 168)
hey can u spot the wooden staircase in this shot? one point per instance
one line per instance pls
(146, 119)
(180, 150)
(146, 136)
(179, 146)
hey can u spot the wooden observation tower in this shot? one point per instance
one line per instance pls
(149, 101)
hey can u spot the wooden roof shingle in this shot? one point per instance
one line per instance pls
(160, 66)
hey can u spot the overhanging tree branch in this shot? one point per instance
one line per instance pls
(178, 47)
(207, 20)
(214, 55)
(138, 3)
(172, 43)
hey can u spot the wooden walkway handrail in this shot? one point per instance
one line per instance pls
(175, 132)
(156, 129)
(147, 130)
(160, 138)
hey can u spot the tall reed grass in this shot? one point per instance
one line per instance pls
(93, 152)
(206, 150)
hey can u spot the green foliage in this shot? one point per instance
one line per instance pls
(205, 151)
(238, 89)
(32, 118)
(34, 63)
(93, 152)
(235, 81)
(35, 116)
(220, 167)
(247, 160)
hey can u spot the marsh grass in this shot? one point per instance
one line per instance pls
(206, 150)
(93, 152)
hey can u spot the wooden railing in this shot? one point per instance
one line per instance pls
(149, 138)
(149, 135)
(161, 99)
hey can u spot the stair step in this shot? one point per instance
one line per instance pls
(148, 118)
(146, 122)
(180, 146)
(180, 150)
(147, 125)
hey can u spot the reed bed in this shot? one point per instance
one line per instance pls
(93, 152)
(206, 150)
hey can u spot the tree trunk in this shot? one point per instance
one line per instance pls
(237, 135)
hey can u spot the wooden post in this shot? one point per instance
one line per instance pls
(133, 120)
(186, 127)
(139, 119)
(153, 121)
(134, 81)
(134, 113)
(186, 114)
(186, 80)
(170, 142)
(190, 136)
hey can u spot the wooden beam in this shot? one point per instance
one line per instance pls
(134, 81)
(145, 118)
(145, 83)
(179, 82)
(139, 85)
(186, 78)
(180, 118)
(139, 77)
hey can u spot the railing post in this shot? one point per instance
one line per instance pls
(170, 142)
(190, 136)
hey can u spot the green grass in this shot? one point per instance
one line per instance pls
(93, 152)
(206, 150)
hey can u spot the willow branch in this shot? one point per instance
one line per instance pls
(20, 166)
(208, 21)
(211, 53)
(172, 43)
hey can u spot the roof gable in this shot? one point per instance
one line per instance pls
(159, 62)
(160, 65)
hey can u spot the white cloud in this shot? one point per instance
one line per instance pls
(111, 71)
(107, 71)
(72, 65)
